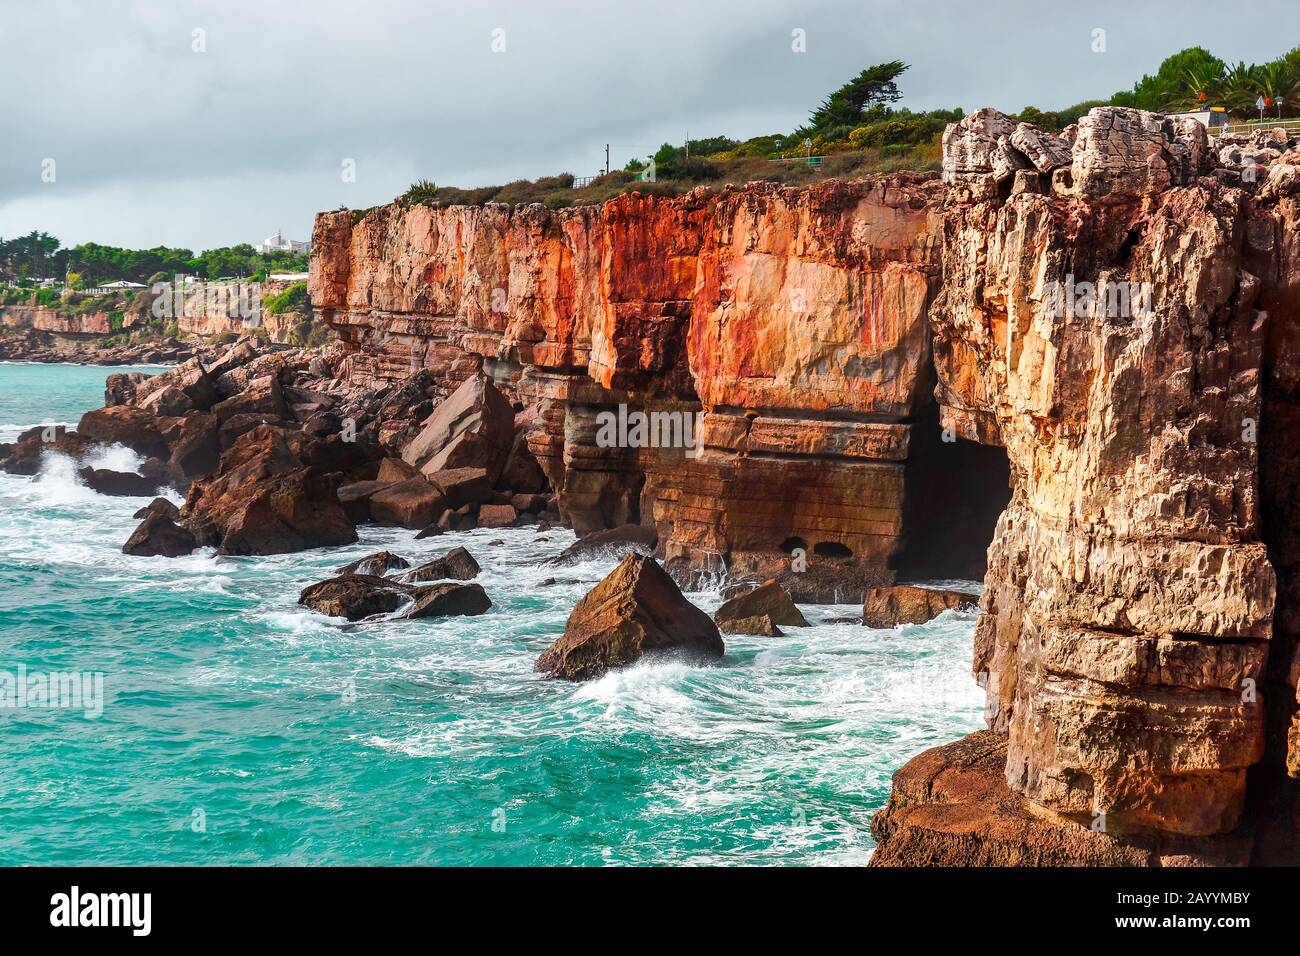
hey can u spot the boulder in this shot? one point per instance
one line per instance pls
(449, 600)
(456, 564)
(463, 486)
(522, 473)
(610, 543)
(263, 500)
(761, 624)
(261, 396)
(472, 428)
(901, 604)
(430, 532)
(379, 563)
(356, 596)
(414, 503)
(636, 611)
(159, 535)
(496, 516)
(122, 483)
(767, 600)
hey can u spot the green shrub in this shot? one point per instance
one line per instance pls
(292, 299)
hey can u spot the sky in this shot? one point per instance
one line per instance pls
(204, 123)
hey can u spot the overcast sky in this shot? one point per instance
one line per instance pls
(157, 142)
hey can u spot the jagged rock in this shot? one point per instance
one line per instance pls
(263, 500)
(125, 425)
(900, 604)
(261, 396)
(472, 428)
(159, 506)
(159, 535)
(430, 532)
(1045, 151)
(449, 600)
(609, 543)
(413, 504)
(969, 145)
(635, 611)
(1120, 154)
(522, 473)
(357, 596)
(456, 564)
(767, 600)
(125, 483)
(196, 445)
(760, 624)
(379, 563)
(463, 486)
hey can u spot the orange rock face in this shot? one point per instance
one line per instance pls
(752, 327)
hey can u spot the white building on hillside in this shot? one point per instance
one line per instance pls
(278, 243)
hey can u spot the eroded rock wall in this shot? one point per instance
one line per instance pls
(782, 330)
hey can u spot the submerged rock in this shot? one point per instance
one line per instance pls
(119, 483)
(637, 610)
(379, 563)
(356, 596)
(609, 542)
(449, 600)
(902, 604)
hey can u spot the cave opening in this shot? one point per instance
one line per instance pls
(954, 492)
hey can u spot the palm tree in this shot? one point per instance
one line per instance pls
(1201, 90)
(1279, 84)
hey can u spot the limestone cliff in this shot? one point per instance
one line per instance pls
(1107, 316)
(793, 321)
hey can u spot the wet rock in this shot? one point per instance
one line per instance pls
(125, 425)
(449, 600)
(457, 564)
(121, 483)
(196, 445)
(379, 563)
(159, 535)
(414, 504)
(900, 604)
(767, 600)
(609, 542)
(263, 500)
(356, 596)
(636, 611)
(430, 532)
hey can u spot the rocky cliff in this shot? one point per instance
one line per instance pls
(1108, 318)
(777, 337)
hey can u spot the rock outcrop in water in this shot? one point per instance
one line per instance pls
(635, 612)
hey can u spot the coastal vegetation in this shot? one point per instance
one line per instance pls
(858, 129)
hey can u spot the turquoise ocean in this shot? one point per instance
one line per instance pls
(239, 728)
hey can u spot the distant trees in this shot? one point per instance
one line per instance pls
(871, 91)
(38, 255)
(1195, 79)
